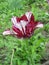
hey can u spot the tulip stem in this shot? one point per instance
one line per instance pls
(12, 57)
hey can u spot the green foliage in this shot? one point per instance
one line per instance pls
(13, 4)
(28, 51)
(40, 10)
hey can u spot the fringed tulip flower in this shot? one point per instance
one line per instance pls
(23, 26)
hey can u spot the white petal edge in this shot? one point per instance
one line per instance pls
(23, 24)
(9, 33)
(6, 33)
(40, 26)
(28, 15)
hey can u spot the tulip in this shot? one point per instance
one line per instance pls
(24, 26)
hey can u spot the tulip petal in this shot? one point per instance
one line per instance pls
(32, 18)
(16, 24)
(7, 32)
(28, 15)
(24, 18)
(17, 31)
(23, 24)
(39, 25)
(30, 29)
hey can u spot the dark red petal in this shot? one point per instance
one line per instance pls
(30, 29)
(19, 33)
(18, 19)
(24, 18)
(32, 18)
